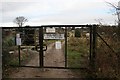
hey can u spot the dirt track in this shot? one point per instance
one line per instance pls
(52, 57)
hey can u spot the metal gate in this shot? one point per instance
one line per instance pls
(53, 46)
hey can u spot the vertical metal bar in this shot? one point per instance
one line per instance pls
(19, 55)
(90, 50)
(94, 45)
(1, 55)
(41, 46)
(65, 47)
(94, 52)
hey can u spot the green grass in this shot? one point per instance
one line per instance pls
(14, 61)
(73, 58)
(77, 50)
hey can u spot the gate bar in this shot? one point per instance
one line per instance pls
(19, 55)
(93, 66)
(41, 47)
(65, 47)
(51, 67)
(90, 50)
(94, 45)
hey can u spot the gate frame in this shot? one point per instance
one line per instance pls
(92, 48)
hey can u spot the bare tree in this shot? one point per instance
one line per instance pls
(99, 21)
(117, 11)
(20, 21)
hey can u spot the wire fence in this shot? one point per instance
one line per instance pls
(107, 59)
(107, 52)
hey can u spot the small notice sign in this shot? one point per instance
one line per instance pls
(50, 30)
(18, 41)
(53, 36)
(58, 44)
(17, 35)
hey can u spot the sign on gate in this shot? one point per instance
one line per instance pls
(18, 39)
(50, 30)
(53, 36)
(17, 35)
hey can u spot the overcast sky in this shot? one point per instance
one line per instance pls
(55, 12)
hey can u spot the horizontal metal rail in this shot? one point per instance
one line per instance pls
(49, 26)
(49, 67)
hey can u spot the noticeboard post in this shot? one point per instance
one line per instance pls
(18, 43)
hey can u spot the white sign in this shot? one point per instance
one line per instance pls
(18, 41)
(17, 35)
(50, 30)
(53, 36)
(58, 45)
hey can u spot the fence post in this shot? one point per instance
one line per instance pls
(93, 51)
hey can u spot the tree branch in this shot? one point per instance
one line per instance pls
(112, 5)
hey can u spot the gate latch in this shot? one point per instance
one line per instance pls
(44, 48)
(38, 48)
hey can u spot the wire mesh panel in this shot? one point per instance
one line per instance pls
(29, 51)
(20, 46)
(9, 48)
(108, 49)
(54, 46)
(78, 42)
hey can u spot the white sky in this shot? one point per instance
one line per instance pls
(55, 12)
